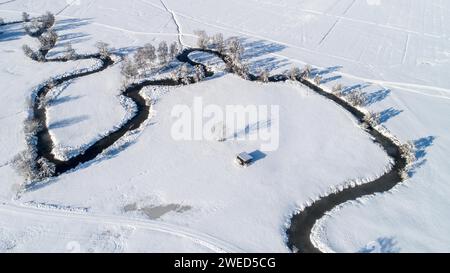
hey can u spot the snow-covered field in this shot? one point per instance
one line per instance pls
(398, 51)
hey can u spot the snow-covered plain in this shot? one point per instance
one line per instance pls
(398, 50)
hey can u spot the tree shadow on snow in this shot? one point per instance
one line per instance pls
(421, 145)
(67, 122)
(254, 52)
(11, 32)
(71, 23)
(64, 99)
(388, 114)
(377, 96)
(327, 70)
(349, 89)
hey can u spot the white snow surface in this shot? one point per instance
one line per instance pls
(397, 50)
(158, 170)
(75, 128)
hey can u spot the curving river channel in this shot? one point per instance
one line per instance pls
(302, 223)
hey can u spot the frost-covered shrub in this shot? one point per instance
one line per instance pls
(2, 21)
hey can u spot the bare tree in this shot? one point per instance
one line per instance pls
(163, 52)
(48, 20)
(183, 74)
(34, 28)
(34, 55)
(235, 48)
(372, 118)
(294, 73)
(25, 17)
(46, 168)
(202, 40)
(233, 58)
(337, 89)
(218, 42)
(150, 52)
(141, 59)
(31, 127)
(145, 56)
(318, 80)
(129, 69)
(174, 75)
(238, 67)
(174, 50)
(31, 168)
(356, 98)
(264, 76)
(48, 41)
(24, 164)
(408, 153)
(37, 26)
(306, 73)
(199, 73)
(103, 49)
(69, 52)
(28, 51)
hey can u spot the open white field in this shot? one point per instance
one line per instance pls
(316, 151)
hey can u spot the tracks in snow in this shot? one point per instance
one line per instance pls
(205, 240)
(178, 25)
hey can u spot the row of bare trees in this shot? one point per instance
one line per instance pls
(35, 27)
(27, 163)
(40, 28)
(231, 49)
(186, 74)
(148, 57)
